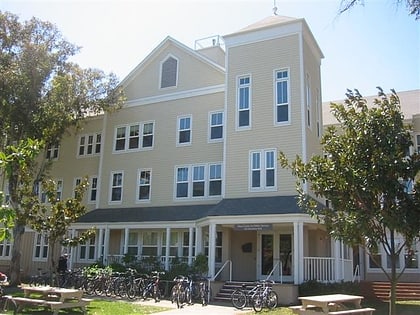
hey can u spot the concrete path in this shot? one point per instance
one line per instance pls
(211, 309)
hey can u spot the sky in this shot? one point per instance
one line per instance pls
(377, 44)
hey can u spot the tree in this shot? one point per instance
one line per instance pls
(42, 96)
(365, 174)
(413, 6)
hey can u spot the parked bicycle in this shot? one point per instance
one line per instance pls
(242, 297)
(204, 292)
(152, 286)
(264, 296)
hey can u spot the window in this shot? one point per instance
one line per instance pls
(120, 139)
(186, 243)
(169, 73)
(77, 182)
(133, 244)
(150, 244)
(147, 135)
(89, 145)
(116, 186)
(5, 248)
(87, 250)
(41, 247)
(308, 101)
(174, 243)
(263, 169)
(318, 113)
(198, 181)
(144, 184)
(182, 182)
(134, 137)
(184, 130)
(93, 188)
(244, 102)
(219, 238)
(215, 180)
(418, 143)
(59, 186)
(216, 126)
(282, 96)
(52, 151)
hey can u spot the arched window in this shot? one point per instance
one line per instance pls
(169, 73)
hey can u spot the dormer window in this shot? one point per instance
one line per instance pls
(169, 72)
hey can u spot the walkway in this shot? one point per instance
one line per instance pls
(211, 309)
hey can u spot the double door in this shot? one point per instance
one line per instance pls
(275, 256)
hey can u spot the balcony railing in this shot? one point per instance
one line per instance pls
(327, 269)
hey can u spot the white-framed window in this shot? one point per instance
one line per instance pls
(263, 169)
(59, 185)
(52, 151)
(42, 194)
(184, 132)
(215, 180)
(116, 186)
(5, 248)
(182, 182)
(169, 72)
(133, 244)
(318, 113)
(144, 184)
(138, 136)
(40, 247)
(219, 239)
(216, 126)
(149, 243)
(87, 250)
(243, 116)
(76, 183)
(308, 101)
(93, 189)
(282, 105)
(186, 243)
(89, 145)
(198, 181)
(418, 143)
(174, 244)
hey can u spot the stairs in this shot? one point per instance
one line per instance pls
(380, 290)
(226, 291)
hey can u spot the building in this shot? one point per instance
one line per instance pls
(189, 164)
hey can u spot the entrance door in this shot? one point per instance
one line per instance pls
(267, 251)
(286, 255)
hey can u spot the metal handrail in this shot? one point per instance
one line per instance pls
(356, 274)
(279, 263)
(223, 267)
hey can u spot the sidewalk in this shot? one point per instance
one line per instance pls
(211, 309)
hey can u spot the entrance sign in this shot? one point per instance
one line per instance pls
(253, 227)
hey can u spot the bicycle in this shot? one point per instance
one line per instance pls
(241, 297)
(204, 292)
(152, 286)
(264, 296)
(181, 292)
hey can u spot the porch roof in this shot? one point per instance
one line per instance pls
(226, 207)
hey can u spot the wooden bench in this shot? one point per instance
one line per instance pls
(362, 311)
(55, 306)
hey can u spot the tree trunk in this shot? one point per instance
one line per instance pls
(15, 276)
(394, 279)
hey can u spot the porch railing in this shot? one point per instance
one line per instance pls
(327, 269)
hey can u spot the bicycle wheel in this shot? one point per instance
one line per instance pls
(272, 300)
(238, 299)
(188, 296)
(7, 305)
(174, 294)
(180, 298)
(257, 302)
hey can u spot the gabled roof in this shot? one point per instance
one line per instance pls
(226, 207)
(155, 52)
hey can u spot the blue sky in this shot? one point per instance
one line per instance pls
(377, 44)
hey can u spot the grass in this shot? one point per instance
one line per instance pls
(403, 308)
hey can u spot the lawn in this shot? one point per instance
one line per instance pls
(403, 308)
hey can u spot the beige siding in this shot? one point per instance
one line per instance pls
(165, 154)
(266, 57)
(193, 74)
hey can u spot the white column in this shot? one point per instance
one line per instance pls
(300, 254)
(190, 245)
(72, 251)
(295, 253)
(99, 249)
(126, 233)
(212, 250)
(198, 240)
(337, 247)
(167, 247)
(106, 245)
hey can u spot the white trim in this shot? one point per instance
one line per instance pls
(211, 113)
(178, 130)
(168, 56)
(111, 177)
(176, 96)
(237, 87)
(142, 201)
(289, 105)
